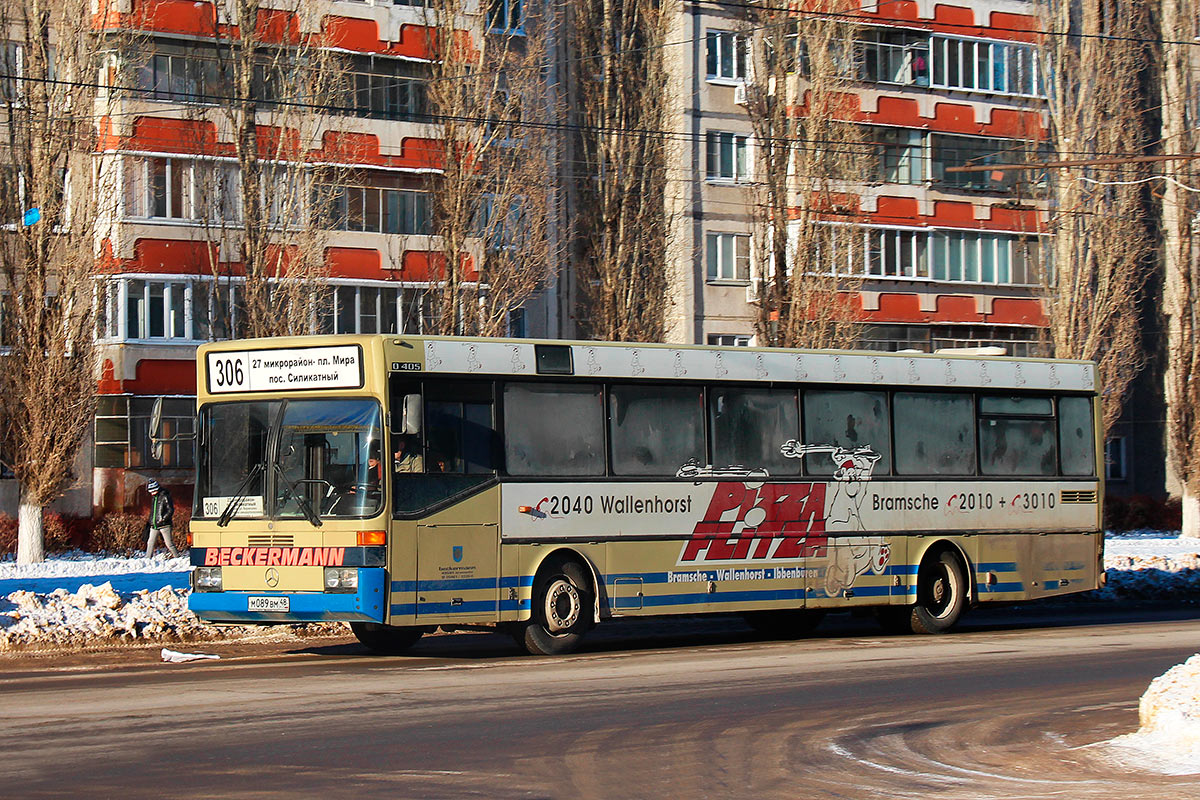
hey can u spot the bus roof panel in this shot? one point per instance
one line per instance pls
(606, 360)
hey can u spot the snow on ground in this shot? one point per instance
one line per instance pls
(79, 599)
(1168, 739)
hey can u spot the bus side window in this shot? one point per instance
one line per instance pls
(553, 429)
(656, 430)
(935, 433)
(851, 422)
(749, 426)
(1017, 436)
(460, 428)
(1076, 436)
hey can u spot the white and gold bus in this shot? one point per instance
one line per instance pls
(403, 484)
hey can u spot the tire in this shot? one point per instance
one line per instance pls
(941, 598)
(562, 608)
(385, 640)
(784, 623)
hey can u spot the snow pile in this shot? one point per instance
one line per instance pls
(96, 613)
(1168, 739)
(1145, 568)
(77, 563)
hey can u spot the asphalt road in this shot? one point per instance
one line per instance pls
(1011, 706)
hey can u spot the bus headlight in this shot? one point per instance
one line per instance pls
(207, 579)
(338, 579)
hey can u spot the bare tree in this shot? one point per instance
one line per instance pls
(1095, 265)
(53, 210)
(624, 223)
(1181, 224)
(800, 102)
(267, 80)
(494, 201)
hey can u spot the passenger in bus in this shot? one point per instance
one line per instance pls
(374, 469)
(408, 455)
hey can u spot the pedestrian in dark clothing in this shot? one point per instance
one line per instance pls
(162, 511)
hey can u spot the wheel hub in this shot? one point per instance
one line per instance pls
(563, 606)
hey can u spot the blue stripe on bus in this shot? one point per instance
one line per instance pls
(463, 584)
(475, 606)
(1013, 586)
(996, 566)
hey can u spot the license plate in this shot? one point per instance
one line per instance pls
(270, 604)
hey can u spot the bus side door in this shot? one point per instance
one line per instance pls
(458, 572)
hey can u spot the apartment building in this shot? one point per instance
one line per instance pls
(947, 257)
(161, 294)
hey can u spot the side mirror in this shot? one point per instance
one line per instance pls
(410, 422)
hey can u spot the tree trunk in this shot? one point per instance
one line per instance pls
(31, 548)
(1191, 514)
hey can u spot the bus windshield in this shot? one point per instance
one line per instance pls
(291, 459)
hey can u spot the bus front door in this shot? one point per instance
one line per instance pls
(458, 573)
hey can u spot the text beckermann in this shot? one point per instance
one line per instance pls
(274, 556)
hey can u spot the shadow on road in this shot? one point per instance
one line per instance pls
(632, 635)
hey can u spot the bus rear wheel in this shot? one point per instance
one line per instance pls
(385, 640)
(562, 604)
(786, 623)
(941, 598)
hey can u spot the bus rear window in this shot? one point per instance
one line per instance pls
(1076, 436)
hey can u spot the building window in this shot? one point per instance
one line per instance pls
(974, 65)
(940, 255)
(8, 320)
(893, 56)
(726, 55)
(378, 209)
(377, 309)
(990, 258)
(11, 68)
(516, 323)
(506, 16)
(897, 254)
(182, 309)
(963, 151)
(726, 156)
(728, 257)
(158, 188)
(178, 76)
(122, 432)
(387, 89)
(898, 154)
(729, 339)
(1115, 465)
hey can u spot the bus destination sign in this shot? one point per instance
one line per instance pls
(285, 369)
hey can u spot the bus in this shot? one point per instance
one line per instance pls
(404, 484)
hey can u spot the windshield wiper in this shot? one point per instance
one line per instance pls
(236, 500)
(312, 516)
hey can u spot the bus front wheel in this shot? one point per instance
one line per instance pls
(385, 640)
(941, 597)
(562, 604)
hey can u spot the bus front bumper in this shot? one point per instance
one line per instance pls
(368, 604)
